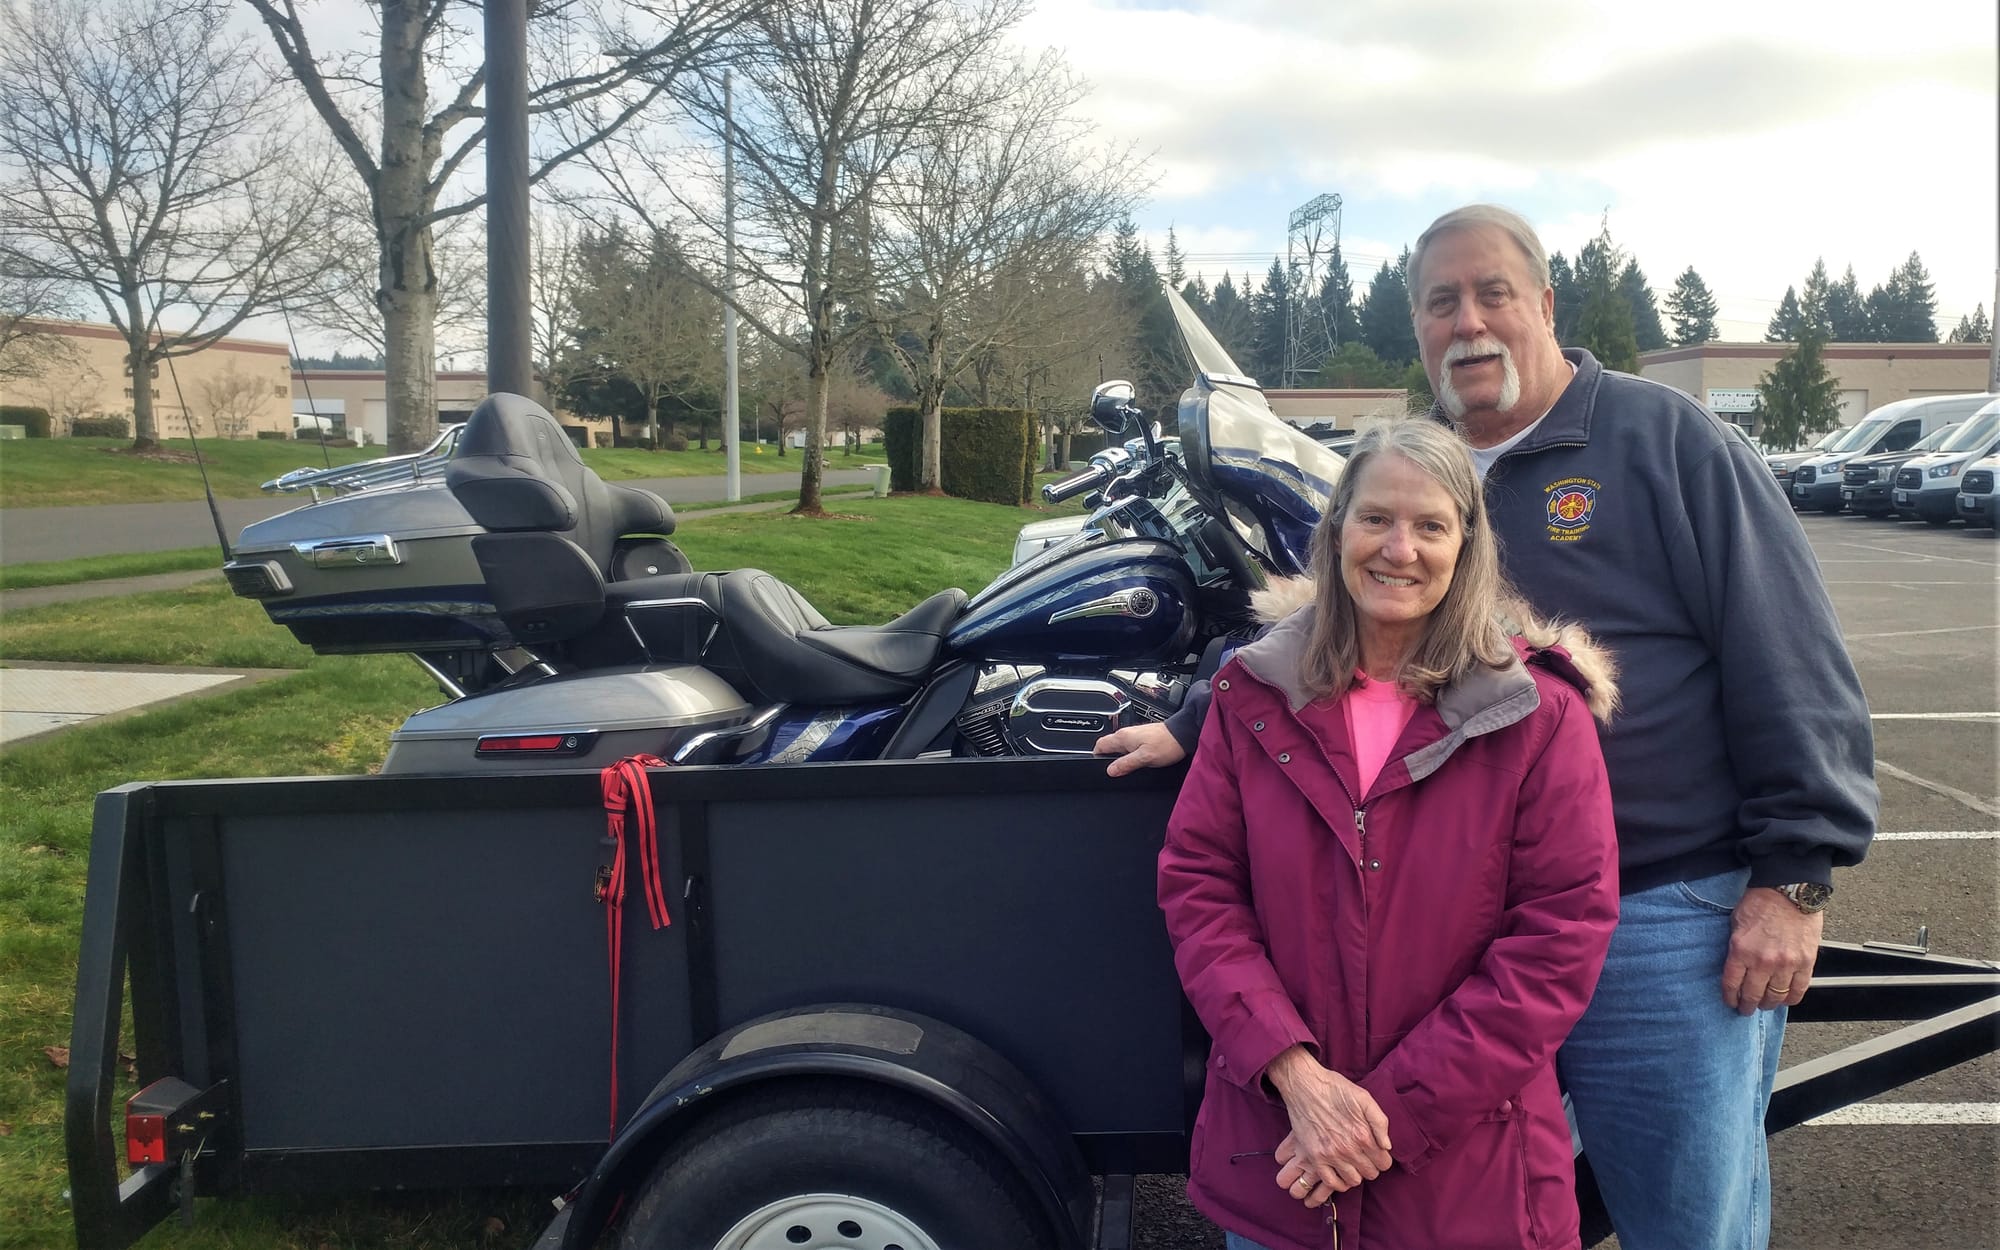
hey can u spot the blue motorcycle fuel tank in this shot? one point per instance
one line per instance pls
(1089, 599)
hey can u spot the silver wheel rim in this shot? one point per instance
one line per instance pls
(826, 1222)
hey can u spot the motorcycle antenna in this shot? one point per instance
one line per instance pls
(187, 419)
(326, 457)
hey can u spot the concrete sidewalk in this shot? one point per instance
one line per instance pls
(39, 698)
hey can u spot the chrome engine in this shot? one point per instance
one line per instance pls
(1023, 709)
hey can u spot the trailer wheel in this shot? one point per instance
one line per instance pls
(831, 1167)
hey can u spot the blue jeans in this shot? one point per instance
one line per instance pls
(1669, 1085)
(1233, 1242)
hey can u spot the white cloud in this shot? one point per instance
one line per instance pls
(1742, 139)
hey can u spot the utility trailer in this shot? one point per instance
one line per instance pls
(405, 982)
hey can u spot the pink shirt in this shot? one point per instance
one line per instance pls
(1376, 713)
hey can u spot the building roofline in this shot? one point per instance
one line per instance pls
(98, 330)
(1716, 350)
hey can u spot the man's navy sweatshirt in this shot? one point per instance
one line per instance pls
(1743, 738)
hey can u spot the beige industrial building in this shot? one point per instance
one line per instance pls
(231, 389)
(1725, 375)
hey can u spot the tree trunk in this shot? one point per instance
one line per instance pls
(145, 430)
(930, 477)
(409, 327)
(408, 296)
(813, 471)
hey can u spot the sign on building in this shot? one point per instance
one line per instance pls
(1725, 400)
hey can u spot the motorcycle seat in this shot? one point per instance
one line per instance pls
(763, 637)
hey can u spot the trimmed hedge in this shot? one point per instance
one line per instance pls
(988, 453)
(275, 436)
(100, 427)
(35, 419)
(902, 443)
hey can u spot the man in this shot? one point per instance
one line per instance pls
(1741, 766)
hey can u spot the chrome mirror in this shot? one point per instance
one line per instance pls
(1111, 406)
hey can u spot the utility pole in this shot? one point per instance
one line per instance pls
(732, 429)
(509, 305)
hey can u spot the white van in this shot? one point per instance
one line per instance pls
(1977, 495)
(1892, 427)
(1927, 487)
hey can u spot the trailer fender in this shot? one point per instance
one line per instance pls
(865, 1043)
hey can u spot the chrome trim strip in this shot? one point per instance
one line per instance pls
(761, 721)
(451, 688)
(351, 551)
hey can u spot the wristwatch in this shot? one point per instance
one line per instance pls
(1808, 896)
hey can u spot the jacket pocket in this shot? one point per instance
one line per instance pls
(1473, 1196)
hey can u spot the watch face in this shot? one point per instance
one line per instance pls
(1810, 896)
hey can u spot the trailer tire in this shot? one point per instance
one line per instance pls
(850, 1165)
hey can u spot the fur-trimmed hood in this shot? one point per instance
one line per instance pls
(1585, 663)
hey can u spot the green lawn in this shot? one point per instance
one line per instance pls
(60, 472)
(332, 715)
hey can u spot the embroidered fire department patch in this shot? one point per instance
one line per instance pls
(1571, 504)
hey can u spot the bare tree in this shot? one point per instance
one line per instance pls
(555, 282)
(350, 309)
(231, 399)
(828, 107)
(984, 211)
(69, 391)
(643, 320)
(595, 65)
(28, 348)
(854, 405)
(145, 159)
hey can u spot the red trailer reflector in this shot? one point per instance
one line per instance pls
(145, 1136)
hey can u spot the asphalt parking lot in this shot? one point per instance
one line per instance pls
(1919, 1166)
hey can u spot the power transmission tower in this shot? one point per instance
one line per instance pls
(1311, 236)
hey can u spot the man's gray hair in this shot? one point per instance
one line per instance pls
(1512, 223)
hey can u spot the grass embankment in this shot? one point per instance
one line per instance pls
(61, 472)
(332, 716)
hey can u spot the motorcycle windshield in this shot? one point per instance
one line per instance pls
(1273, 480)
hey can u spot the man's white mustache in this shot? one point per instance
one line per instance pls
(1485, 345)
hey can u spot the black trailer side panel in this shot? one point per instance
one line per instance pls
(403, 981)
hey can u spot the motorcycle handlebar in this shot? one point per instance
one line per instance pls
(1076, 484)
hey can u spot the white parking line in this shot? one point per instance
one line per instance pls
(1925, 1113)
(1912, 633)
(1973, 801)
(1941, 835)
(1913, 555)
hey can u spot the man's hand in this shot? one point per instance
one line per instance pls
(1772, 945)
(1150, 745)
(1339, 1137)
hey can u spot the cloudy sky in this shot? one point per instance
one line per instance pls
(1743, 137)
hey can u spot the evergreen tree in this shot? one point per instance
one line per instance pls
(1353, 365)
(1569, 298)
(1798, 399)
(1604, 327)
(1417, 384)
(1385, 314)
(1881, 308)
(1336, 297)
(1785, 323)
(1846, 311)
(1230, 321)
(1267, 344)
(1176, 261)
(1914, 304)
(1159, 374)
(1638, 294)
(1816, 301)
(1693, 309)
(1973, 329)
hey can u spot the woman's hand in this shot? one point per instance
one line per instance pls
(1339, 1135)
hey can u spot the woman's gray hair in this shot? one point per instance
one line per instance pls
(1512, 223)
(1465, 630)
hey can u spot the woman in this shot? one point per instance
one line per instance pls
(1390, 880)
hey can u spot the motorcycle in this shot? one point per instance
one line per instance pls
(567, 629)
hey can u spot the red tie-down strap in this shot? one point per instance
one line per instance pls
(628, 790)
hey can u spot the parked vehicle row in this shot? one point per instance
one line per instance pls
(1905, 459)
